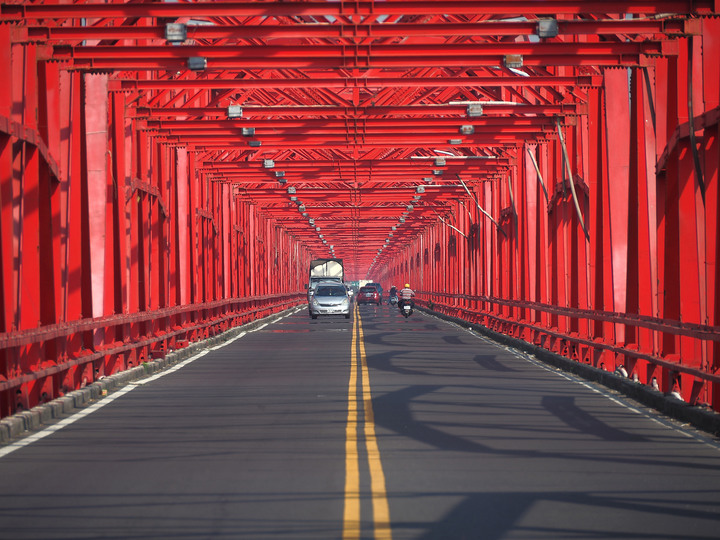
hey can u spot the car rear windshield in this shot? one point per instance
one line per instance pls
(368, 289)
(330, 291)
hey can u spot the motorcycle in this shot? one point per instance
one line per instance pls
(406, 309)
(393, 301)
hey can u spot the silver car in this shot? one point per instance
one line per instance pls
(329, 298)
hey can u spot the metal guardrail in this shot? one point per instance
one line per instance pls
(169, 328)
(438, 301)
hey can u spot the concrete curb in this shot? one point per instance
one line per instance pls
(700, 417)
(21, 424)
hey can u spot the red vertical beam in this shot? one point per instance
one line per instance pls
(226, 239)
(669, 218)
(74, 217)
(641, 235)
(531, 223)
(7, 315)
(96, 149)
(29, 178)
(49, 220)
(183, 227)
(115, 224)
(172, 242)
(155, 178)
(484, 195)
(691, 218)
(618, 160)
(556, 267)
(711, 153)
(581, 242)
(601, 241)
(193, 229)
(543, 285)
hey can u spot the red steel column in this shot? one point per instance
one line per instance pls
(711, 152)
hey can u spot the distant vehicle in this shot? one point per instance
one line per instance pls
(368, 295)
(324, 270)
(377, 286)
(329, 298)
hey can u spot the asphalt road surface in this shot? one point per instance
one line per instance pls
(373, 427)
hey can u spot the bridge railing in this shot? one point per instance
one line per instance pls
(692, 379)
(40, 364)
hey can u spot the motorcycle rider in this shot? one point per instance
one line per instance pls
(393, 293)
(406, 295)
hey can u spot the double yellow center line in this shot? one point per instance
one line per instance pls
(380, 509)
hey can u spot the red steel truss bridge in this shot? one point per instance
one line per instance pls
(546, 169)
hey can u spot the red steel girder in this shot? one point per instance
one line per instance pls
(337, 9)
(362, 56)
(371, 81)
(444, 110)
(361, 126)
(228, 31)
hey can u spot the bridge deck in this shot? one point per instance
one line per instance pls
(443, 435)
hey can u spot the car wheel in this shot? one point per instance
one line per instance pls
(313, 315)
(347, 316)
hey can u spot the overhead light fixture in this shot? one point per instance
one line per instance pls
(311, 221)
(439, 162)
(248, 131)
(427, 179)
(291, 189)
(547, 28)
(320, 236)
(416, 197)
(394, 228)
(282, 179)
(437, 172)
(293, 198)
(268, 163)
(175, 33)
(420, 189)
(317, 229)
(254, 144)
(513, 61)
(197, 63)
(454, 141)
(474, 109)
(234, 111)
(304, 214)
(467, 129)
(409, 207)
(279, 174)
(301, 208)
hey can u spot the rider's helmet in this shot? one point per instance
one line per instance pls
(407, 285)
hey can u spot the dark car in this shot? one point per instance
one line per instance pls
(368, 295)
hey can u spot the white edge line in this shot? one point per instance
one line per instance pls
(573, 378)
(25, 441)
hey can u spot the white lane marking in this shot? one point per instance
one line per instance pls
(705, 439)
(64, 422)
(4, 451)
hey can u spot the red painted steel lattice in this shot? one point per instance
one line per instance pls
(167, 170)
